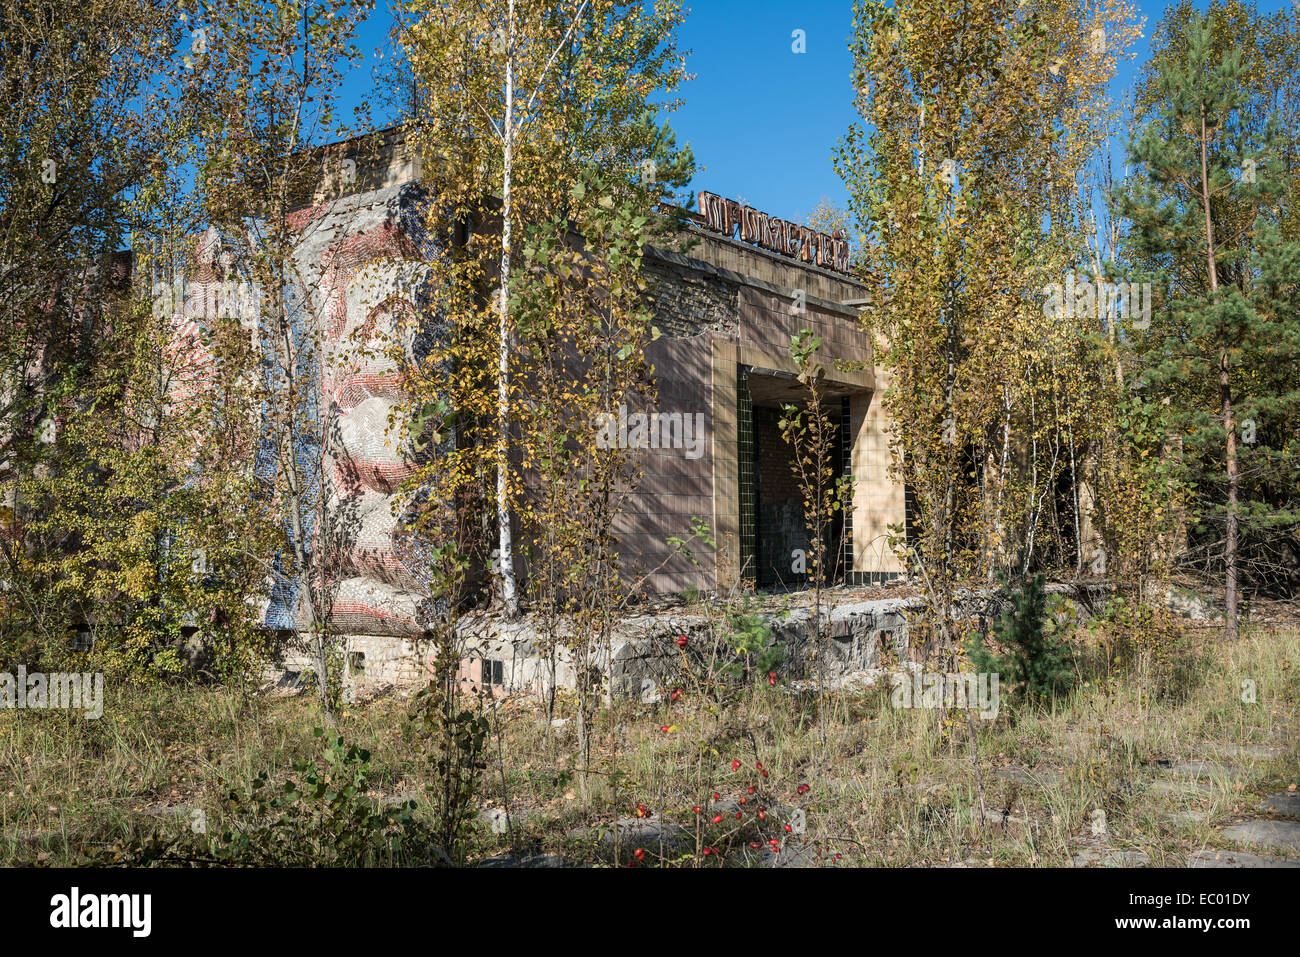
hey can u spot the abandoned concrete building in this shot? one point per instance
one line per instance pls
(727, 303)
(728, 309)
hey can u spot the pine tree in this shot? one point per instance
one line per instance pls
(1204, 208)
(1037, 662)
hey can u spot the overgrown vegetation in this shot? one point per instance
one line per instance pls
(1034, 630)
(889, 787)
(181, 498)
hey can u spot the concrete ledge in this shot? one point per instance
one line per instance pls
(698, 265)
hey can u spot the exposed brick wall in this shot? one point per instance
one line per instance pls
(686, 303)
(775, 475)
(698, 300)
(781, 525)
(779, 520)
(721, 305)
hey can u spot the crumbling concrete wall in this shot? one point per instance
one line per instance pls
(722, 304)
(358, 270)
(737, 307)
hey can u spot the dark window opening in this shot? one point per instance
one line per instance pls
(775, 540)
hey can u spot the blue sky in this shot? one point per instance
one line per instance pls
(762, 119)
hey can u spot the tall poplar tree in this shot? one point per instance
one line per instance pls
(975, 121)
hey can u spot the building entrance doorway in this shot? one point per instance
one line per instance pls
(776, 547)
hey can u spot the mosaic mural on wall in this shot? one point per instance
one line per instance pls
(353, 303)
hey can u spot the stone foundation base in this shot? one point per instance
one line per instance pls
(645, 658)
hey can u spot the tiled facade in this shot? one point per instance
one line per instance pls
(727, 311)
(734, 309)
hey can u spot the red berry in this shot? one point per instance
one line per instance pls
(759, 765)
(789, 828)
(762, 816)
(771, 677)
(664, 728)
(742, 800)
(737, 814)
(696, 809)
(735, 765)
(681, 641)
(639, 854)
(752, 789)
(774, 842)
(764, 774)
(755, 845)
(708, 851)
(802, 789)
(677, 693)
(717, 796)
(641, 810)
(718, 819)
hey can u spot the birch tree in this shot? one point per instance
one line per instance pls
(515, 98)
(281, 69)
